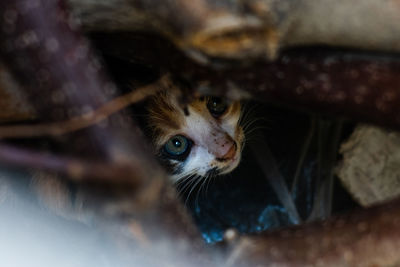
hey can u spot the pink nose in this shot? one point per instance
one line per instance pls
(229, 154)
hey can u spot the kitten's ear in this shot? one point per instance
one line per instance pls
(141, 98)
(187, 93)
(144, 92)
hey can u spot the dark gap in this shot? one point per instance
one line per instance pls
(243, 199)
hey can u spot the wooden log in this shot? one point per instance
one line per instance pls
(250, 28)
(49, 56)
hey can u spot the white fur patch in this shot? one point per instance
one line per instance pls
(208, 138)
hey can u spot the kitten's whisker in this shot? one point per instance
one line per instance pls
(242, 147)
(207, 178)
(243, 116)
(249, 123)
(210, 178)
(183, 181)
(187, 180)
(189, 187)
(198, 180)
(180, 181)
(250, 107)
(246, 125)
(255, 130)
(181, 178)
(204, 179)
(247, 112)
(187, 174)
(252, 125)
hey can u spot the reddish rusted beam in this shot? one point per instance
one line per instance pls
(343, 84)
(368, 237)
(351, 84)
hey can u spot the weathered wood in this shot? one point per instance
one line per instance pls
(250, 28)
(368, 237)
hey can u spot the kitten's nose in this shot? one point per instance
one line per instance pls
(230, 154)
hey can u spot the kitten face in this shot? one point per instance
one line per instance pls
(207, 139)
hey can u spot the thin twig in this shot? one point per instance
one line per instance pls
(74, 168)
(85, 120)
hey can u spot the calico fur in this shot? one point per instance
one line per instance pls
(216, 142)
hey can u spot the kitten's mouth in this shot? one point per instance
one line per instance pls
(232, 163)
(230, 155)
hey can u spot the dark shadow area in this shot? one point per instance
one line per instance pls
(244, 199)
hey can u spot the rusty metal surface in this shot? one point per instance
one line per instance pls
(364, 238)
(343, 84)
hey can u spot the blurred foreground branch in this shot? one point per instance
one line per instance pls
(63, 79)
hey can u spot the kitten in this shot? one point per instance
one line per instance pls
(202, 139)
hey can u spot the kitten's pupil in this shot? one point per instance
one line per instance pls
(217, 106)
(177, 147)
(177, 143)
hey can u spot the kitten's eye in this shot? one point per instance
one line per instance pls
(217, 106)
(178, 147)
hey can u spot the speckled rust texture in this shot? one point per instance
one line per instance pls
(363, 238)
(341, 84)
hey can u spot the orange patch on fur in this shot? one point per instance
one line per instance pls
(200, 106)
(164, 113)
(234, 109)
